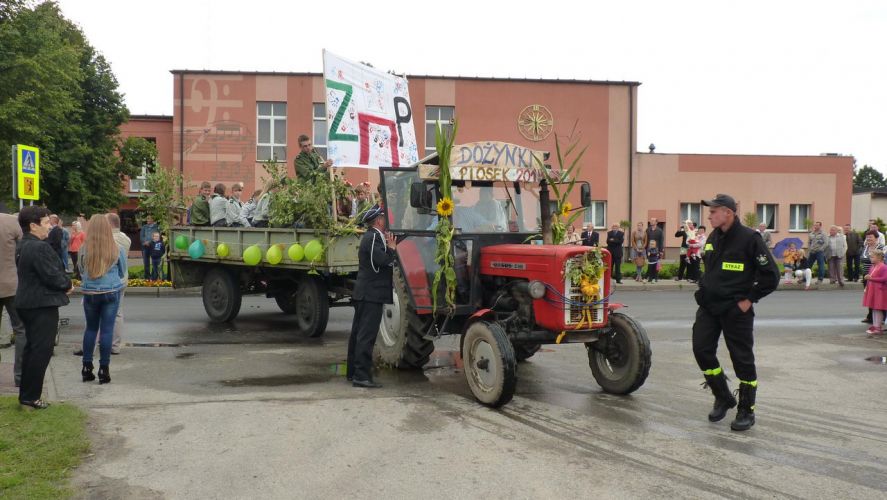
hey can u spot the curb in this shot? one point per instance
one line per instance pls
(150, 291)
(683, 285)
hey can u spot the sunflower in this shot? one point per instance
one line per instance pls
(566, 207)
(445, 207)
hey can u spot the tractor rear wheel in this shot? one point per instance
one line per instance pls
(490, 365)
(401, 341)
(620, 360)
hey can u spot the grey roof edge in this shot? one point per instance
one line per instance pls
(426, 77)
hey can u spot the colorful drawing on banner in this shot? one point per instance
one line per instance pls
(369, 115)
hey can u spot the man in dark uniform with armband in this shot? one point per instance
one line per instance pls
(374, 288)
(739, 271)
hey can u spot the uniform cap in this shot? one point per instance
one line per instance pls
(721, 200)
(371, 214)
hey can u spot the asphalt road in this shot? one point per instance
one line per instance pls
(248, 410)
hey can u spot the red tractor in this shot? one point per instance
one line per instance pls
(512, 295)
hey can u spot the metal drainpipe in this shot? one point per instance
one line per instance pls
(630, 156)
(182, 134)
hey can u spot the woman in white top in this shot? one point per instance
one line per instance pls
(572, 237)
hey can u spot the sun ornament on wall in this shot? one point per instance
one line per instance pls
(535, 122)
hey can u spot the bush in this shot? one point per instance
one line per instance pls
(138, 272)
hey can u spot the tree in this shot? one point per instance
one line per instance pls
(868, 177)
(59, 94)
(164, 202)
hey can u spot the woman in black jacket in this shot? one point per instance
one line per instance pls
(43, 286)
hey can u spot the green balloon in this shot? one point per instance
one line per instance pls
(222, 250)
(252, 255)
(181, 242)
(196, 250)
(296, 252)
(313, 250)
(274, 255)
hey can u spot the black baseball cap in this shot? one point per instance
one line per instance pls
(721, 200)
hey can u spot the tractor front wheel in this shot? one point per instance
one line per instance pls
(490, 364)
(620, 360)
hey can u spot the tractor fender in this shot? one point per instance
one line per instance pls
(479, 315)
(612, 306)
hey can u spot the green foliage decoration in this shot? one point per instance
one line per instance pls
(445, 229)
(164, 202)
(568, 170)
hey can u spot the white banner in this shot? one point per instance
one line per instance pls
(369, 116)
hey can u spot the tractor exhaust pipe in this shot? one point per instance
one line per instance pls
(544, 210)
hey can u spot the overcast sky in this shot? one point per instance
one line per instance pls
(751, 77)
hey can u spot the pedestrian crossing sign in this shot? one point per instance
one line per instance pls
(27, 170)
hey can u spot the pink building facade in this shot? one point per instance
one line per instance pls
(225, 123)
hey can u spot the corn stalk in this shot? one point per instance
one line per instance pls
(445, 228)
(566, 214)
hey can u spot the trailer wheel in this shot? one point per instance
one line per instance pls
(221, 295)
(312, 306)
(286, 301)
(401, 341)
(524, 352)
(490, 365)
(620, 361)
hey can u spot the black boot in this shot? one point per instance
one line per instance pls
(86, 372)
(104, 374)
(745, 415)
(723, 399)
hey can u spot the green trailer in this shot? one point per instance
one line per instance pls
(214, 259)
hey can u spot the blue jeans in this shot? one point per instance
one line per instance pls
(820, 264)
(101, 312)
(146, 260)
(156, 268)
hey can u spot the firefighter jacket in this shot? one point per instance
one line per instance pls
(374, 271)
(737, 266)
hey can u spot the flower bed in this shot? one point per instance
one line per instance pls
(138, 282)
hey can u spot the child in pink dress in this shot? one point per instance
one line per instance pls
(876, 292)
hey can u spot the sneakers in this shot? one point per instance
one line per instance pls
(874, 331)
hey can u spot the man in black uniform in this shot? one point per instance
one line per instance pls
(374, 288)
(739, 270)
(615, 239)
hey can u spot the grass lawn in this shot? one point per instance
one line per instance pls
(38, 449)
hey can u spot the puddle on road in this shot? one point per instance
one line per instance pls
(878, 360)
(279, 380)
(443, 363)
(151, 344)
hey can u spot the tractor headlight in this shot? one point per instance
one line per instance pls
(537, 289)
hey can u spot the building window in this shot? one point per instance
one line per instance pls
(767, 215)
(691, 211)
(798, 217)
(320, 130)
(445, 115)
(139, 183)
(271, 137)
(596, 214)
